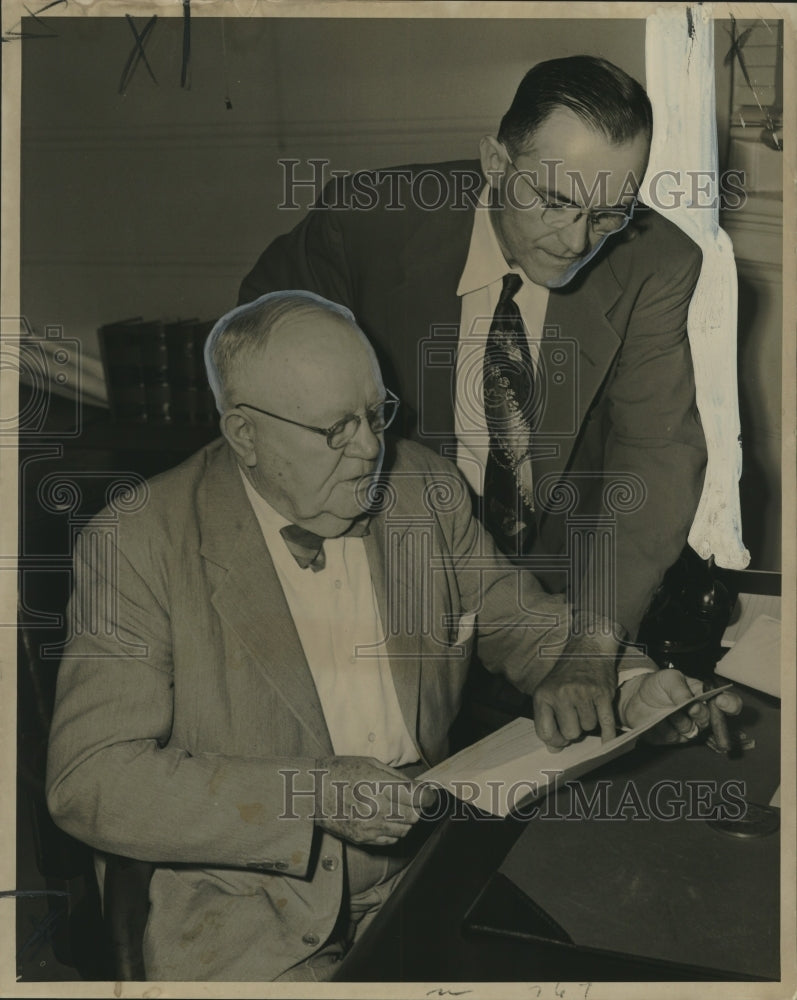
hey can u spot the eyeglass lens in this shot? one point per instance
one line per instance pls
(601, 222)
(379, 418)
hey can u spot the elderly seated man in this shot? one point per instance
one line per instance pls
(279, 624)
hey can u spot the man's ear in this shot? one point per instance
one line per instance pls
(240, 434)
(494, 159)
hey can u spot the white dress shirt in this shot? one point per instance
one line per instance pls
(336, 614)
(480, 288)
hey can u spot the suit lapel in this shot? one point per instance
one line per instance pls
(398, 601)
(250, 599)
(401, 549)
(578, 346)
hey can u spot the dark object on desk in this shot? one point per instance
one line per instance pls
(739, 740)
(687, 617)
(758, 821)
(707, 598)
(674, 639)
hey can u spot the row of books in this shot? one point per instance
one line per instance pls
(155, 371)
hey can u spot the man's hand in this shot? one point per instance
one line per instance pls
(575, 697)
(361, 800)
(643, 696)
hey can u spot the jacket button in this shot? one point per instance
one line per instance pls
(329, 864)
(310, 938)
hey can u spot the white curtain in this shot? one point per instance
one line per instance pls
(679, 59)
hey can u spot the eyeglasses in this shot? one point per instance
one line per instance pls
(379, 418)
(557, 216)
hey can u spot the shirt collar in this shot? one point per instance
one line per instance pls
(486, 263)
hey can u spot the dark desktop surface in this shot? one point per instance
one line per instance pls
(623, 896)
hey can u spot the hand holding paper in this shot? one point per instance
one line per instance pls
(513, 765)
(644, 696)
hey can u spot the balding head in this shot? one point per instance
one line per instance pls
(241, 335)
(311, 354)
(285, 367)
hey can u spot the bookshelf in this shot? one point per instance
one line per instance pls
(155, 373)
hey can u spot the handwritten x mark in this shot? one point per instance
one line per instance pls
(137, 53)
(738, 42)
(43, 930)
(13, 34)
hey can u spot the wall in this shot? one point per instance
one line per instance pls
(158, 201)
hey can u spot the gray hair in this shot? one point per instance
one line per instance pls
(244, 331)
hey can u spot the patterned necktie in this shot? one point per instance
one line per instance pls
(307, 548)
(508, 407)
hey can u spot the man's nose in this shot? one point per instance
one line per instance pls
(365, 444)
(576, 236)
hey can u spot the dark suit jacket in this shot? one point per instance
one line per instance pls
(185, 706)
(619, 425)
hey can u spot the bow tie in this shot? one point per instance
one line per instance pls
(307, 548)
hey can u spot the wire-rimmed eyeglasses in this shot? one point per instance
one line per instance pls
(603, 221)
(379, 417)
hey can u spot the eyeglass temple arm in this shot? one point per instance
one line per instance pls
(285, 420)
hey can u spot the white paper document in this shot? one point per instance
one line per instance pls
(748, 607)
(755, 657)
(513, 767)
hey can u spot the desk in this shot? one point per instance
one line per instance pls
(419, 934)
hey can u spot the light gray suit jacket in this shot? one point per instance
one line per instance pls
(184, 698)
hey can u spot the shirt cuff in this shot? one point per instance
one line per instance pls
(629, 672)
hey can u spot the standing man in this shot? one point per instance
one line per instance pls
(535, 325)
